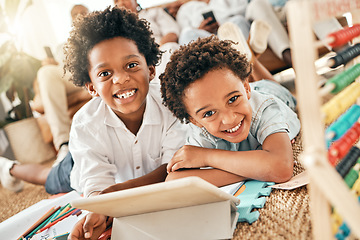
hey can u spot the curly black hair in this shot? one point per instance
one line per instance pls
(192, 62)
(102, 25)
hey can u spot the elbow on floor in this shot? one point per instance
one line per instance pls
(283, 174)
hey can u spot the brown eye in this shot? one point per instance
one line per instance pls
(233, 99)
(208, 114)
(103, 74)
(132, 65)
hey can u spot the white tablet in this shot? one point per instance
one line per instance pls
(179, 193)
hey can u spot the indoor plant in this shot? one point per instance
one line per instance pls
(17, 69)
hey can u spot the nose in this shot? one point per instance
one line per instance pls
(120, 78)
(228, 117)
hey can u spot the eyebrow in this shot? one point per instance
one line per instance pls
(200, 109)
(131, 56)
(230, 93)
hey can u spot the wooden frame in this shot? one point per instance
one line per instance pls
(327, 188)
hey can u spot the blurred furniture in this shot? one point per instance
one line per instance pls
(75, 103)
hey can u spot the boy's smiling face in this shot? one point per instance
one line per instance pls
(219, 102)
(120, 76)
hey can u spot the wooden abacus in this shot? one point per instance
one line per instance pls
(327, 187)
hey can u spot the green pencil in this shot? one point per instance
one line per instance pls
(38, 222)
(46, 220)
(71, 209)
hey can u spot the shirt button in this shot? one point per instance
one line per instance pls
(138, 167)
(136, 141)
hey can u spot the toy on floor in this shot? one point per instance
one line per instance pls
(252, 195)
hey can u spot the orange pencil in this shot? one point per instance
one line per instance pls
(40, 221)
(63, 214)
(106, 235)
(65, 209)
(58, 220)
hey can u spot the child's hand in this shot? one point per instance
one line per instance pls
(117, 187)
(187, 157)
(89, 227)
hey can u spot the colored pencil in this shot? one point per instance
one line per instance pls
(43, 222)
(65, 208)
(62, 236)
(106, 235)
(55, 222)
(38, 222)
(77, 212)
(55, 214)
(60, 215)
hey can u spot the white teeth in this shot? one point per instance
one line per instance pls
(127, 94)
(234, 129)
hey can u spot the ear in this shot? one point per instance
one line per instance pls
(196, 123)
(91, 89)
(247, 88)
(152, 73)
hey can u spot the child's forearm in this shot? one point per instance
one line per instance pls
(215, 176)
(158, 175)
(256, 164)
(274, 163)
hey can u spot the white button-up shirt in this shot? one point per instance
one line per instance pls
(161, 23)
(105, 152)
(190, 13)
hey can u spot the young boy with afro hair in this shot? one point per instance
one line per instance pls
(239, 130)
(124, 136)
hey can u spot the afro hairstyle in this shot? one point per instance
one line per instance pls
(98, 26)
